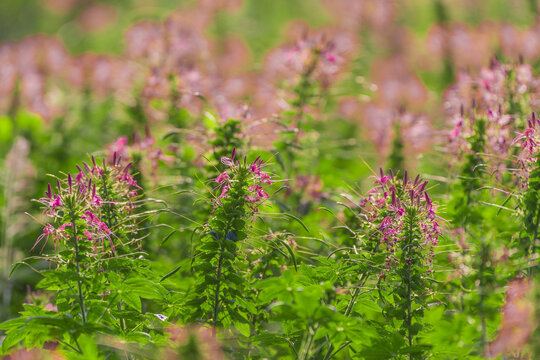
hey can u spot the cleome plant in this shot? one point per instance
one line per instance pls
(397, 230)
(217, 260)
(91, 220)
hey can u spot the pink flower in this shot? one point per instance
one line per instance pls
(383, 180)
(79, 179)
(229, 161)
(255, 169)
(255, 188)
(103, 227)
(48, 230)
(90, 217)
(56, 202)
(456, 131)
(265, 178)
(63, 226)
(96, 200)
(224, 192)
(125, 177)
(119, 145)
(223, 177)
(330, 57)
(387, 221)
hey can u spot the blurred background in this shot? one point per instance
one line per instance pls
(78, 75)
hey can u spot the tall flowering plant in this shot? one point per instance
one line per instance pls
(398, 211)
(218, 264)
(400, 229)
(529, 198)
(97, 271)
(487, 113)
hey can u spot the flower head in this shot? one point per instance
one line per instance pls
(391, 209)
(90, 207)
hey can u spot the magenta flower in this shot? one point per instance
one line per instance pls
(251, 178)
(48, 230)
(224, 192)
(95, 187)
(229, 161)
(63, 226)
(393, 202)
(55, 203)
(223, 177)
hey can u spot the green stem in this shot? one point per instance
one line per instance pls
(216, 295)
(79, 282)
(69, 345)
(409, 245)
(350, 306)
(219, 273)
(348, 311)
(532, 249)
(306, 345)
(409, 320)
(482, 286)
(77, 264)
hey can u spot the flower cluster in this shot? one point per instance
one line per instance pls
(395, 210)
(528, 140)
(39, 298)
(90, 205)
(256, 179)
(500, 96)
(142, 151)
(311, 55)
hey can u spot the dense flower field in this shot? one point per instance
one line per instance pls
(228, 179)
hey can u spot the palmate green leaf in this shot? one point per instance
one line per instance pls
(57, 279)
(210, 246)
(241, 324)
(386, 347)
(13, 324)
(16, 331)
(144, 288)
(34, 331)
(89, 349)
(268, 339)
(129, 315)
(11, 340)
(132, 300)
(417, 350)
